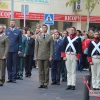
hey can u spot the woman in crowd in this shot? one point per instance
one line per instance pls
(85, 44)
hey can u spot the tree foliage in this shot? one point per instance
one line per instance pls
(90, 4)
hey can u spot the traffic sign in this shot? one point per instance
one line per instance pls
(25, 9)
(49, 19)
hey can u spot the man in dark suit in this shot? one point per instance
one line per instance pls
(29, 54)
(15, 38)
(56, 60)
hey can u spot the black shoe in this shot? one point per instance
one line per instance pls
(21, 78)
(97, 89)
(94, 88)
(18, 78)
(73, 88)
(68, 87)
(1, 84)
(41, 86)
(53, 83)
(45, 86)
(58, 83)
(14, 81)
(62, 80)
(29, 75)
(9, 81)
(26, 76)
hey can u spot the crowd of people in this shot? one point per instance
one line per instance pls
(63, 52)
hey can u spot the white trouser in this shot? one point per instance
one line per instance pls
(71, 69)
(95, 69)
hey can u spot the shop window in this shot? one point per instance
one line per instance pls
(30, 24)
(95, 25)
(66, 25)
(3, 21)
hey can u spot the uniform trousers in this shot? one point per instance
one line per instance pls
(95, 70)
(20, 67)
(28, 64)
(43, 67)
(2, 70)
(71, 64)
(12, 65)
(55, 70)
(63, 71)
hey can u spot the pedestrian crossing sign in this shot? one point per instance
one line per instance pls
(49, 19)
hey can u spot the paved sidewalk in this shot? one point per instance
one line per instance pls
(27, 89)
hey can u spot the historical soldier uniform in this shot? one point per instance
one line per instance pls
(56, 62)
(72, 51)
(22, 57)
(94, 57)
(4, 48)
(29, 56)
(43, 51)
(15, 38)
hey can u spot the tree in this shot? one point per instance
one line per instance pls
(90, 5)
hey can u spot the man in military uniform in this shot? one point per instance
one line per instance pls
(56, 60)
(22, 56)
(15, 38)
(72, 50)
(44, 53)
(94, 60)
(4, 48)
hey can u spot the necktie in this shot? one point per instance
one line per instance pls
(44, 36)
(28, 39)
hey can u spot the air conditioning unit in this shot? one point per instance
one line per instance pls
(77, 5)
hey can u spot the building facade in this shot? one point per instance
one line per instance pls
(64, 16)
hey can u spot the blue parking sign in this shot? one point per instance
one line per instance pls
(49, 19)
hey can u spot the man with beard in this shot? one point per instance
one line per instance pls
(4, 48)
(94, 60)
(15, 38)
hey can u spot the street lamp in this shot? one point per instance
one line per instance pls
(12, 9)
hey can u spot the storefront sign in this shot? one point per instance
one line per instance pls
(36, 1)
(4, 5)
(73, 18)
(57, 17)
(95, 19)
(30, 16)
(5, 14)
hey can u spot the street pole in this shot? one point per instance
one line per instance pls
(24, 16)
(86, 91)
(12, 9)
(48, 29)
